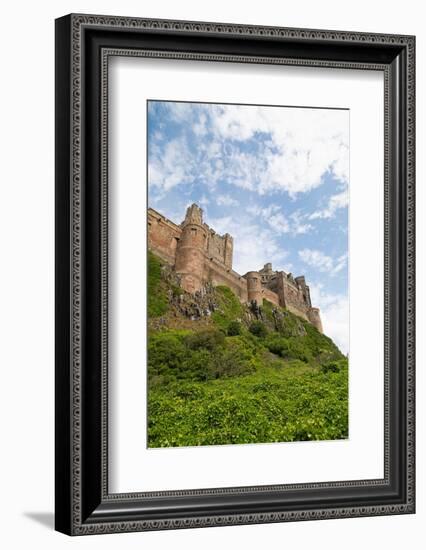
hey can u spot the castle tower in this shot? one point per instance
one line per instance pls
(280, 289)
(304, 289)
(300, 280)
(254, 287)
(315, 319)
(190, 250)
(229, 248)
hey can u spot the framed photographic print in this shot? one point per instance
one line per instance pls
(234, 274)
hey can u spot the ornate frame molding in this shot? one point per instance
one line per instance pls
(75, 502)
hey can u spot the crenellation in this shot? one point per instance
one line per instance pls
(220, 248)
(199, 256)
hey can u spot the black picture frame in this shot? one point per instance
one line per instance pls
(83, 504)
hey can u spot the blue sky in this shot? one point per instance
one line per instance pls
(275, 178)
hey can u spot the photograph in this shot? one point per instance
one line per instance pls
(234, 273)
(247, 273)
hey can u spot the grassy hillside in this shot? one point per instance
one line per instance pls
(219, 374)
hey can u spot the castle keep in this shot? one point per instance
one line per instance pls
(199, 255)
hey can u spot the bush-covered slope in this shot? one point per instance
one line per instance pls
(157, 295)
(219, 373)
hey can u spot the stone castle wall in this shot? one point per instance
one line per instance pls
(199, 255)
(218, 275)
(220, 247)
(163, 236)
(270, 296)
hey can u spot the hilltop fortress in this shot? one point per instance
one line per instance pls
(199, 255)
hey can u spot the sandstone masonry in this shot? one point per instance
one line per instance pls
(199, 255)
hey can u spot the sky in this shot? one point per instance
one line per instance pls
(275, 178)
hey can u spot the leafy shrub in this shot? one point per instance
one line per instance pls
(208, 339)
(230, 362)
(333, 366)
(276, 364)
(298, 348)
(166, 354)
(289, 404)
(320, 344)
(307, 348)
(246, 343)
(157, 295)
(258, 329)
(234, 328)
(265, 387)
(296, 364)
(277, 344)
(198, 356)
(196, 365)
(289, 348)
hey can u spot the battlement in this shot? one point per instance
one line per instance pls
(200, 255)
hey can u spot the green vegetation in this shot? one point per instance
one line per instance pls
(196, 356)
(157, 295)
(237, 379)
(275, 403)
(258, 328)
(234, 328)
(230, 309)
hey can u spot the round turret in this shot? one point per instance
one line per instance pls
(190, 250)
(254, 287)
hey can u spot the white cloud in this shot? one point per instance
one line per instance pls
(254, 245)
(226, 200)
(304, 143)
(322, 262)
(200, 128)
(341, 200)
(317, 259)
(204, 201)
(285, 149)
(299, 227)
(334, 311)
(279, 222)
(175, 163)
(340, 263)
(170, 166)
(180, 111)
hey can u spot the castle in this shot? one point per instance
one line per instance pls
(199, 255)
